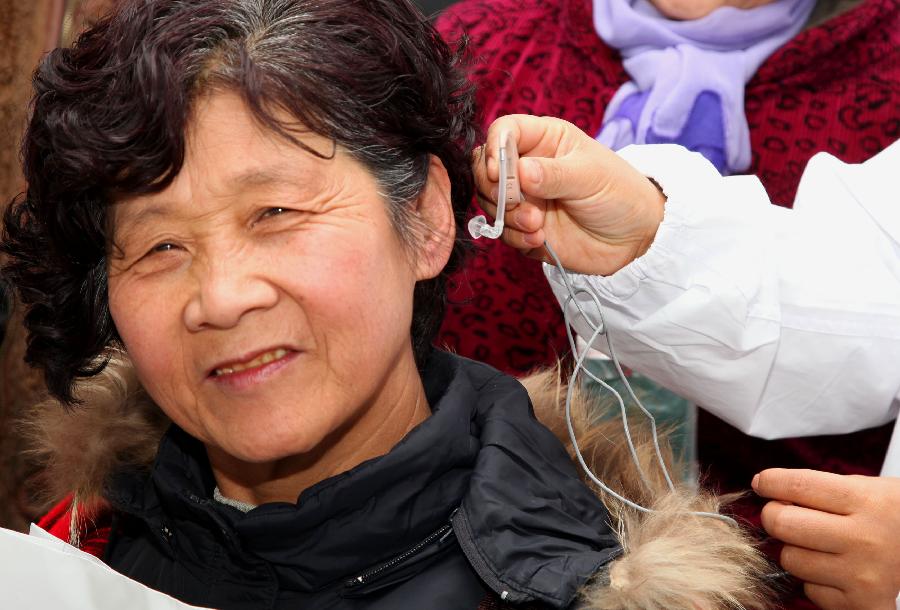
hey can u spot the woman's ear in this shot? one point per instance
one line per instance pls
(437, 226)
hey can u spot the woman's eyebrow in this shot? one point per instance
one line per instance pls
(301, 181)
(256, 177)
(129, 220)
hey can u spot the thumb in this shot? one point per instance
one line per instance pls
(563, 178)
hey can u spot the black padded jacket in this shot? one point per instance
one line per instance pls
(480, 500)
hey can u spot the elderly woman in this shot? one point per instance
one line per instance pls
(239, 220)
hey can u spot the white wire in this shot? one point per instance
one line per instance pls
(605, 385)
(600, 329)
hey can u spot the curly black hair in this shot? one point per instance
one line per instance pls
(109, 117)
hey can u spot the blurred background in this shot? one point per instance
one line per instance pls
(430, 7)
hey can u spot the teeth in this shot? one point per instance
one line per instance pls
(258, 361)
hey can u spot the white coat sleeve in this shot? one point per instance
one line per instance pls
(782, 322)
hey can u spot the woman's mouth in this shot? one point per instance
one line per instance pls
(245, 374)
(260, 360)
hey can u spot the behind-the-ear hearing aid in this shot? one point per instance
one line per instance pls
(508, 192)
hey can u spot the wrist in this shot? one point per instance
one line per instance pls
(656, 202)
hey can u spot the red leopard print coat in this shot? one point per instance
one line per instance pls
(833, 88)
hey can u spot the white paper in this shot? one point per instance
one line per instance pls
(39, 572)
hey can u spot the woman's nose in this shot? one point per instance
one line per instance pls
(227, 291)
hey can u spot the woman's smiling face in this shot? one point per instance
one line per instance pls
(264, 297)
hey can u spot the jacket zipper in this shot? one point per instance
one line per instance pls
(440, 534)
(506, 592)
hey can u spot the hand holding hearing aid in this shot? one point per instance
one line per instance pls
(597, 210)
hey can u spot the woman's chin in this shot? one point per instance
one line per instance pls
(267, 446)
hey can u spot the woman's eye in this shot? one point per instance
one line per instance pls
(165, 247)
(161, 256)
(161, 248)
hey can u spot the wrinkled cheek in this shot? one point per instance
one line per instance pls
(163, 375)
(128, 311)
(379, 309)
(167, 372)
(155, 350)
(145, 346)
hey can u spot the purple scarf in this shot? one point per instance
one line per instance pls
(688, 77)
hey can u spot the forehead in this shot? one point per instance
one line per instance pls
(226, 146)
(228, 153)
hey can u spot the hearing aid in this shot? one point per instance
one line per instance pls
(508, 191)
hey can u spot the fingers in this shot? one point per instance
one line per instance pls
(825, 597)
(525, 242)
(809, 528)
(834, 581)
(581, 192)
(517, 233)
(574, 177)
(833, 493)
(533, 136)
(527, 217)
(811, 566)
(556, 159)
(479, 168)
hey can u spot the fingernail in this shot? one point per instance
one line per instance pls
(532, 170)
(492, 166)
(522, 218)
(755, 481)
(532, 240)
(494, 193)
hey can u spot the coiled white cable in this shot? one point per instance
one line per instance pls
(597, 330)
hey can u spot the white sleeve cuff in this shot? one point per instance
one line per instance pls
(699, 214)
